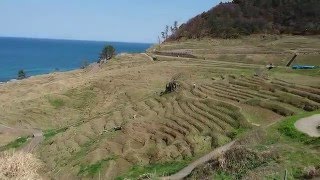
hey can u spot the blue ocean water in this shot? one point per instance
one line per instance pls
(41, 56)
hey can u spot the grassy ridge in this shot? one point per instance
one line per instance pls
(15, 144)
(52, 132)
(93, 169)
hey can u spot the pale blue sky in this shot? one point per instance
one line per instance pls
(105, 20)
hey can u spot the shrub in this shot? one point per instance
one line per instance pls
(107, 53)
(84, 64)
(235, 163)
(311, 172)
(21, 74)
(239, 160)
(172, 86)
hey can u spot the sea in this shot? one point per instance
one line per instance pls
(42, 56)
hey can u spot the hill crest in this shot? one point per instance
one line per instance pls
(243, 17)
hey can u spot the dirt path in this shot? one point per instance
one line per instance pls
(151, 59)
(187, 170)
(34, 142)
(37, 136)
(309, 125)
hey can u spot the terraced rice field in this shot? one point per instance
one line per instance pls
(102, 121)
(255, 49)
(176, 126)
(159, 129)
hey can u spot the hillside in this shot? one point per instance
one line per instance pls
(218, 100)
(245, 17)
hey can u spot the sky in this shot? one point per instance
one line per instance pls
(101, 20)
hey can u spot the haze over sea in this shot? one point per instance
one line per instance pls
(42, 56)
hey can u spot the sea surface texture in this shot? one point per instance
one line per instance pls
(42, 56)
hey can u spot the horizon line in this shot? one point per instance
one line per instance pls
(45, 38)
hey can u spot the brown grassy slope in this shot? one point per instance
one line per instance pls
(155, 129)
(88, 104)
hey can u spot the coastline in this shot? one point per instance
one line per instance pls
(14, 80)
(45, 56)
(39, 74)
(72, 70)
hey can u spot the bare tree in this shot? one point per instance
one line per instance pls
(175, 26)
(166, 32)
(172, 29)
(163, 35)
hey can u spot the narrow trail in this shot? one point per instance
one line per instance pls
(187, 170)
(212, 155)
(34, 142)
(151, 59)
(309, 125)
(36, 139)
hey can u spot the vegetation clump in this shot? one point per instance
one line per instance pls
(240, 160)
(234, 163)
(108, 52)
(56, 102)
(15, 144)
(311, 172)
(52, 132)
(84, 64)
(92, 169)
(22, 74)
(172, 86)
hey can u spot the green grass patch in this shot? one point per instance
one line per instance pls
(56, 102)
(237, 132)
(92, 169)
(163, 169)
(296, 149)
(81, 98)
(52, 132)
(287, 128)
(15, 144)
